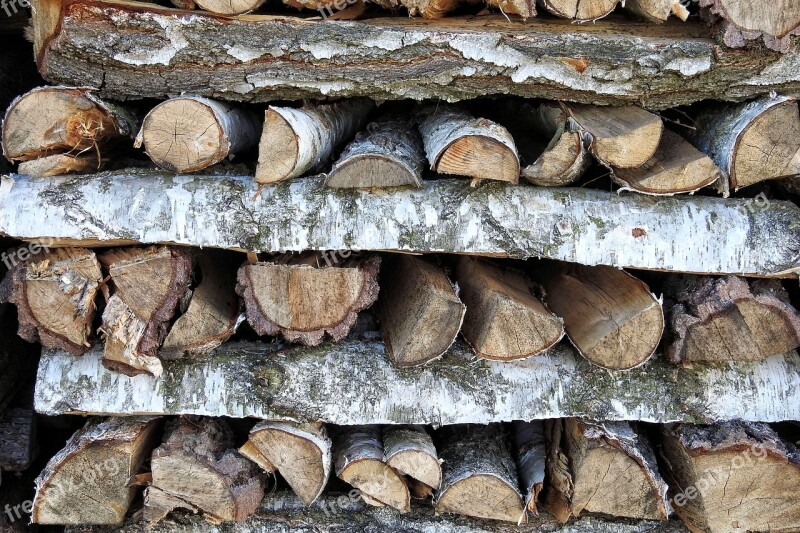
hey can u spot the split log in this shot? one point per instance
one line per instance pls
(733, 477)
(71, 120)
(479, 478)
(58, 164)
(190, 133)
(197, 468)
(558, 486)
(676, 167)
(17, 439)
(656, 10)
(457, 143)
(611, 317)
(419, 311)
(504, 319)
(123, 332)
(54, 290)
(753, 141)
(300, 452)
(302, 299)
(524, 8)
(410, 451)
(295, 141)
(531, 454)
(430, 9)
(213, 312)
(620, 137)
(579, 10)
(87, 482)
(738, 22)
(613, 471)
(388, 153)
(229, 7)
(358, 455)
(729, 319)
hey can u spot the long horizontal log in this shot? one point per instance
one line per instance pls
(691, 234)
(161, 51)
(334, 383)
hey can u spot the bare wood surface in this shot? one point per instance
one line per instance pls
(580, 10)
(738, 22)
(58, 164)
(411, 452)
(657, 10)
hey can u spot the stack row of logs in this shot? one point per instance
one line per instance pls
(728, 146)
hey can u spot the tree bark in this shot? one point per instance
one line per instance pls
(738, 23)
(58, 164)
(388, 153)
(419, 311)
(87, 482)
(197, 468)
(504, 319)
(728, 319)
(611, 317)
(531, 448)
(732, 477)
(190, 133)
(411, 452)
(457, 143)
(579, 10)
(479, 478)
(657, 10)
(17, 439)
(295, 141)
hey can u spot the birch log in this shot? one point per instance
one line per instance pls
(87, 482)
(295, 141)
(388, 153)
(54, 291)
(580, 10)
(504, 319)
(303, 299)
(753, 141)
(558, 487)
(738, 22)
(457, 143)
(17, 439)
(123, 332)
(411, 452)
(196, 468)
(479, 477)
(229, 7)
(531, 454)
(728, 319)
(419, 311)
(657, 10)
(300, 452)
(190, 133)
(358, 456)
(733, 477)
(611, 317)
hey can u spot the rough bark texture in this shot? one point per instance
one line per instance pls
(738, 22)
(246, 59)
(335, 384)
(531, 453)
(580, 10)
(410, 451)
(17, 439)
(578, 225)
(728, 319)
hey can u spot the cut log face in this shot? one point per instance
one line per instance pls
(657, 10)
(17, 439)
(457, 143)
(582, 10)
(359, 460)
(729, 319)
(676, 167)
(72, 120)
(504, 320)
(54, 291)
(302, 298)
(388, 153)
(410, 451)
(479, 478)
(621, 137)
(419, 311)
(229, 7)
(300, 452)
(58, 164)
(196, 468)
(611, 317)
(776, 22)
(430, 9)
(524, 8)
(531, 454)
(190, 133)
(123, 333)
(87, 482)
(564, 158)
(614, 471)
(295, 141)
(733, 477)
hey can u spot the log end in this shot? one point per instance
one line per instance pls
(378, 481)
(278, 149)
(482, 496)
(480, 157)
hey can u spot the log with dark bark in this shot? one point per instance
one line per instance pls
(657, 10)
(504, 318)
(728, 319)
(88, 481)
(358, 455)
(732, 477)
(301, 453)
(458, 143)
(305, 296)
(738, 22)
(611, 317)
(296, 141)
(388, 153)
(419, 311)
(54, 290)
(411, 452)
(753, 141)
(479, 478)
(579, 10)
(190, 133)
(197, 468)
(531, 453)
(17, 439)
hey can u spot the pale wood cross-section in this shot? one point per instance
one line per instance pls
(411, 452)
(657, 10)
(741, 21)
(580, 10)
